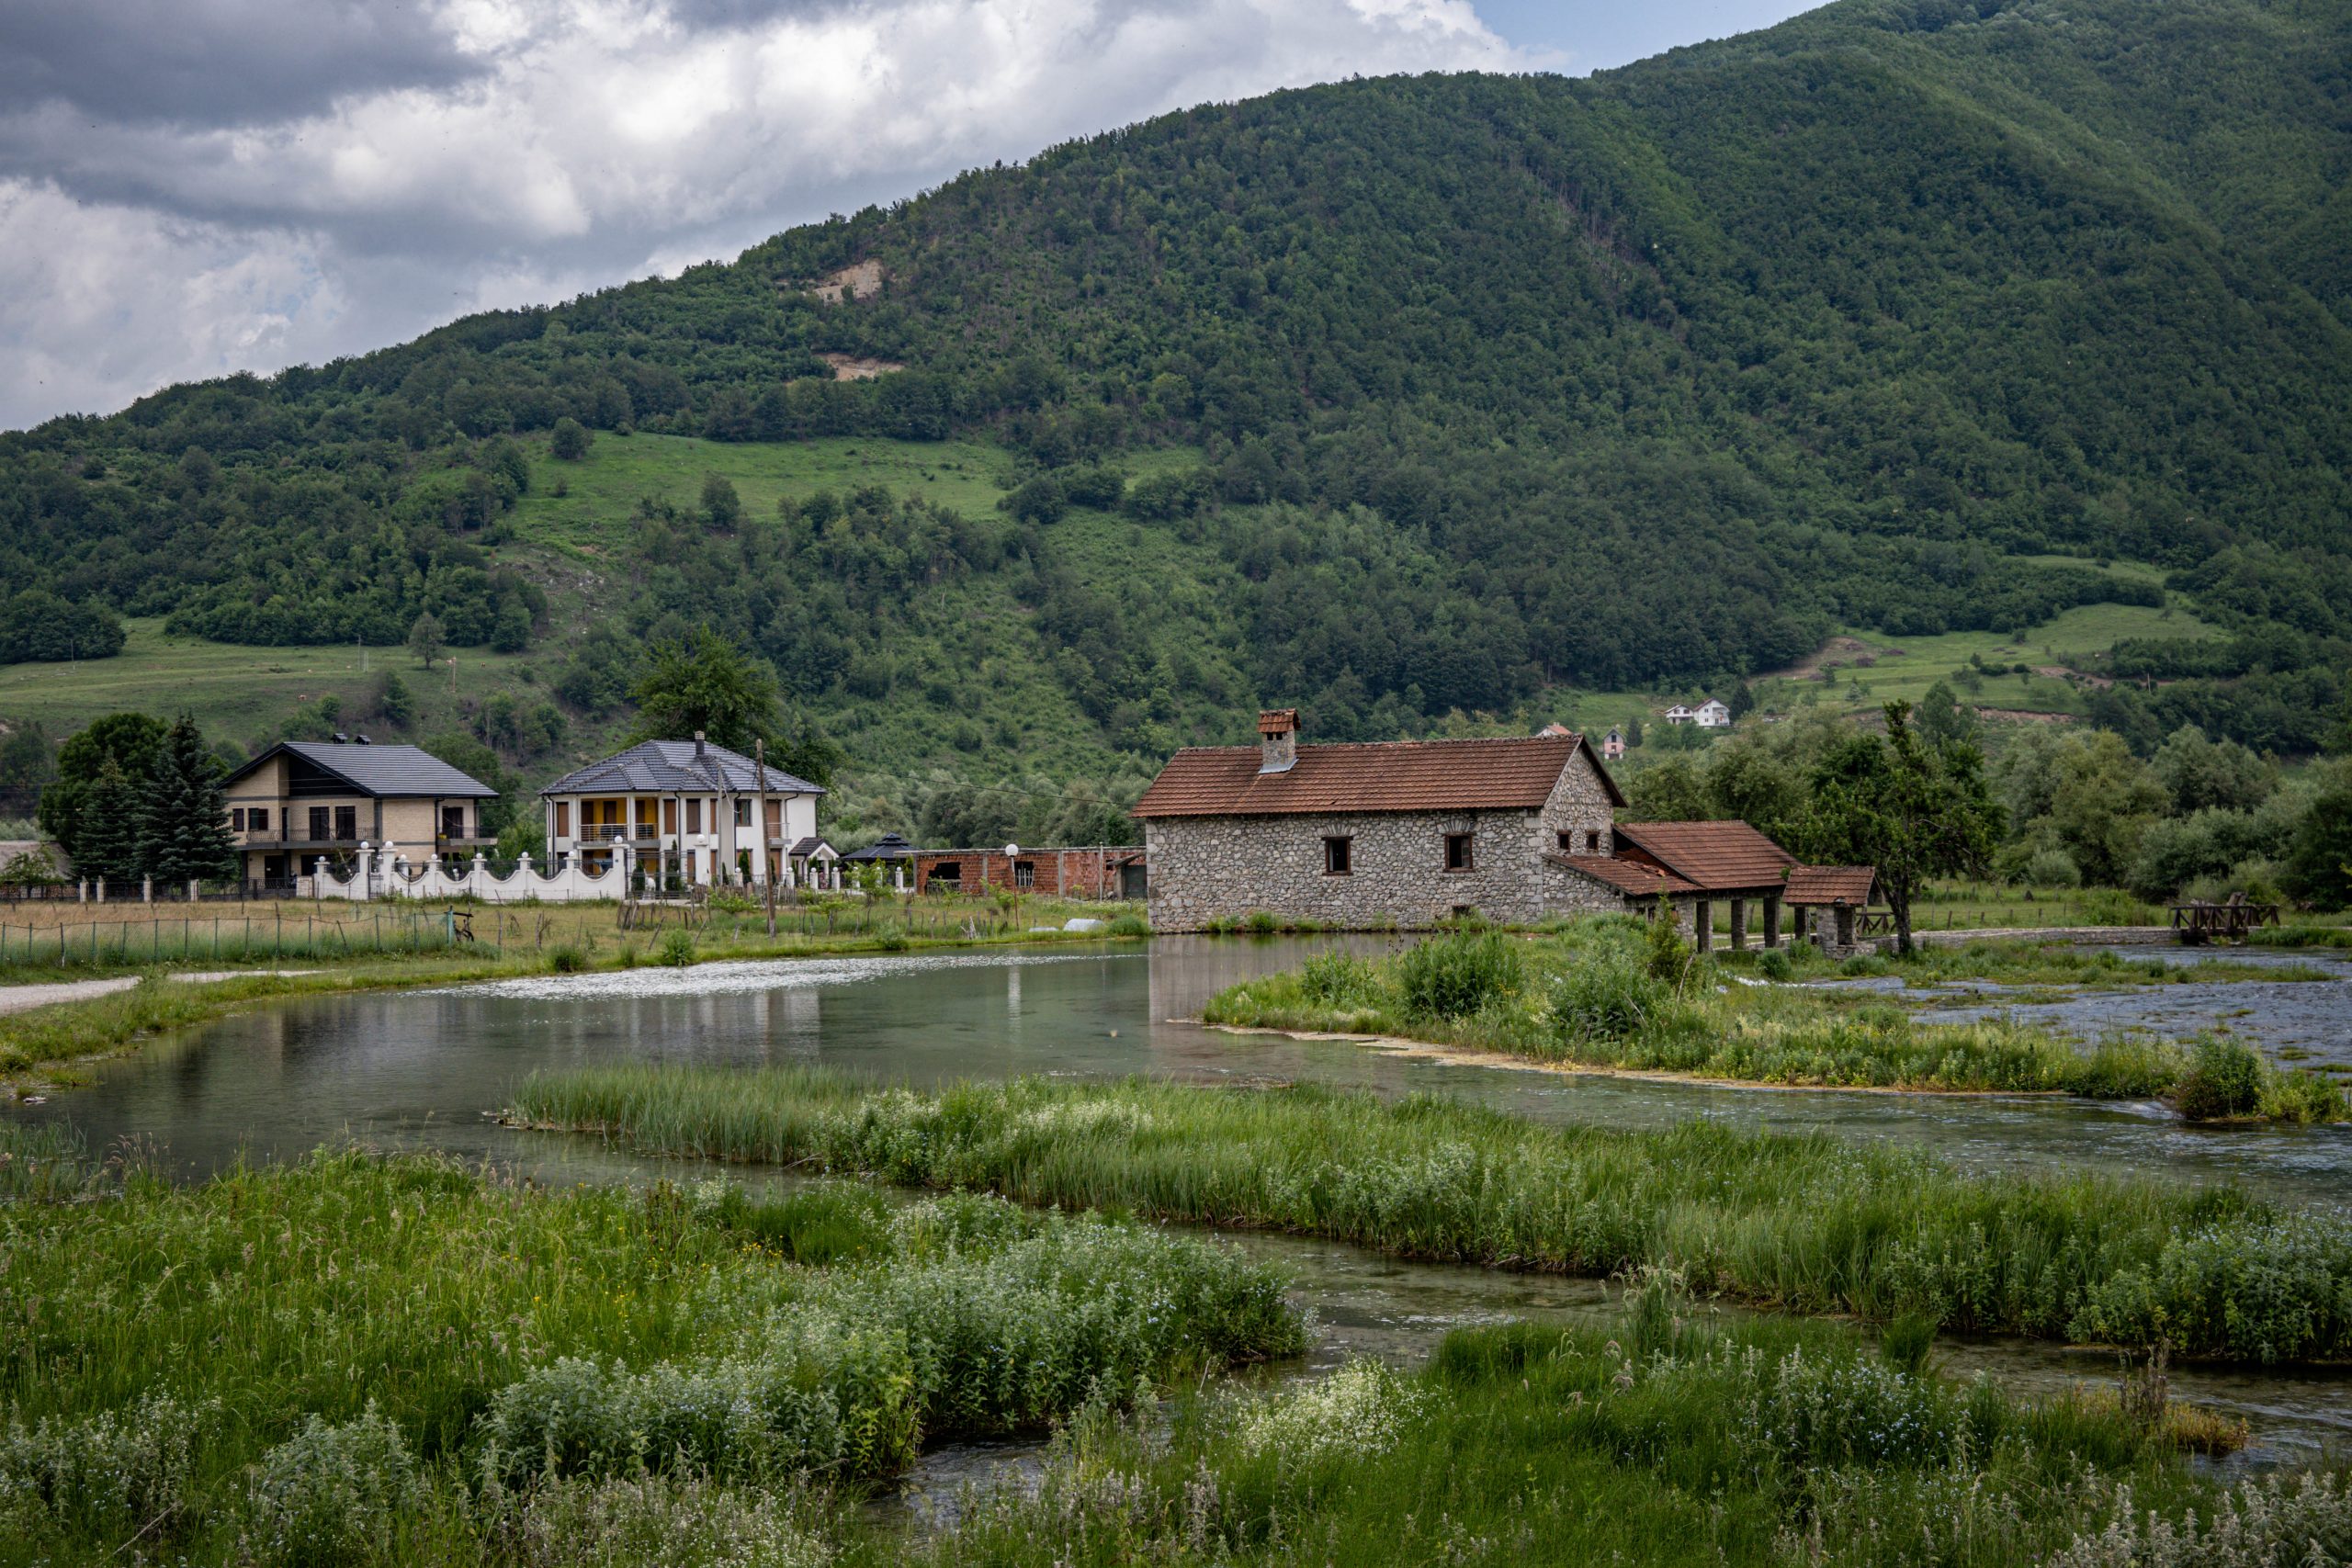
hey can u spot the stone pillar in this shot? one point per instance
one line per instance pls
(1845, 930)
(146, 889)
(81, 889)
(1739, 924)
(191, 889)
(1771, 919)
(102, 889)
(1703, 924)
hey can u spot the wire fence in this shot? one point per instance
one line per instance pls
(233, 939)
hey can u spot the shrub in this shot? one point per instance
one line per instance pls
(1668, 957)
(676, 948)
(1339, 979)
(1775, 963)
(104, 1475)
(1262, 922)
(1905, 1344)
(332, 1493)
(890, 938)
(567, 960)
(679, 1522)
(1457, 974)
(2265, 1523)
(568, 440)
(2052, 868)
(1606, 997)
(2224, 1080)
(1130, 926)
(2111, 907)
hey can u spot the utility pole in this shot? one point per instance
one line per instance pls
(760, 828)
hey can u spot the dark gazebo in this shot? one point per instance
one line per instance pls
(889, 850)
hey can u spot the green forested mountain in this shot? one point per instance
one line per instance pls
(1416, 395)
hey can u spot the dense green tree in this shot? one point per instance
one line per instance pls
(2104, 801)
(703, 684)
(1942, 718)
(184, 813)
(131, 742)
(426, 638)
(2199, 774)
(2319, 861)
(1670, 790)
(568, 440)
(105, 846)
(471, 757)
(26, 760)
(1914, 811)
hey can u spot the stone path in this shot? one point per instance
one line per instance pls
(17, 998)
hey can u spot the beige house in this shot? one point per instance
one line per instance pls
(689, 812)
(304, 799)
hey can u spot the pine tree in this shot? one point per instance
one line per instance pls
(184, 829)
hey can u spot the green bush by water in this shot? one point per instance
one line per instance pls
(1809, 1224)
(676, 948)
(1455, 974)
(373, 1330)
(1675, 1441)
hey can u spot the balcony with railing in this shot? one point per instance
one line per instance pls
(617, 833)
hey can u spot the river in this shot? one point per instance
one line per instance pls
(426, 1068)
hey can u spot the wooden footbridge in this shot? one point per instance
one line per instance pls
(2199, 921)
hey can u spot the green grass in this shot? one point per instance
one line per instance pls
(603, 489)
(1664, 1439)
(1811, 1225)
(454, 1328)
(239, 693)
(1597, 995)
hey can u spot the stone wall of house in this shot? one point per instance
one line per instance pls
(1208, 868)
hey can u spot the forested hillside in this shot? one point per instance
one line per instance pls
(1414, 395)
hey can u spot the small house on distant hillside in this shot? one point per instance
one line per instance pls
(1677, 714)
(302, 800)
(1612, 745)
(1712, 715)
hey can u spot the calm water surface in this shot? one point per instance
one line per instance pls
(423, 1068)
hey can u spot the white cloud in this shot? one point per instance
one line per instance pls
(574, 143)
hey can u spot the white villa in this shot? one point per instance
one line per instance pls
(1711, 714)
(688, 812)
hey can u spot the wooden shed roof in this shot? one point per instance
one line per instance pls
(1710, 856)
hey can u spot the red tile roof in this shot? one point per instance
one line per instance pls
(1713, 856)
(1628, 877)
(1831, 885)
(1508, 773)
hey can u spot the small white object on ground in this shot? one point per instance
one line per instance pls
(1084, 923)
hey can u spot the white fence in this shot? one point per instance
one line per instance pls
(376, 875)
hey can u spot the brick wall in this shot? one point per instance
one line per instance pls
(1079, 872)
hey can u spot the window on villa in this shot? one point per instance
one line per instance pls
(236, 819)
(693, 816)
(1025, 873)
(1339, 856)
(347, 821)
(563, 819)
(742, 813)
(453, 821)
(257, 819)
(1458, 851)
(319, 815)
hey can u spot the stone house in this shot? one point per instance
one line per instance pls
(1403, 833)
(302, 800)
(689, 812)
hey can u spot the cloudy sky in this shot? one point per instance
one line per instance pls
(194, 187)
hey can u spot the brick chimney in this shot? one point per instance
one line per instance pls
(1277, 740)
(698, 751)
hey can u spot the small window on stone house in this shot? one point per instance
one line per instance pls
(1568, 842)
(1338, 855)
(1593, 841)
(1457, 852)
